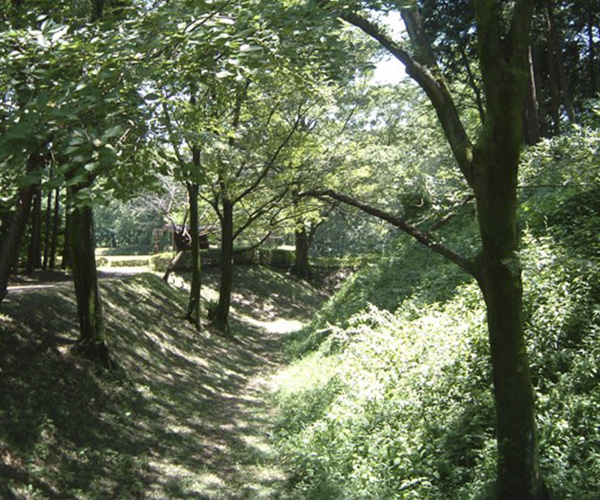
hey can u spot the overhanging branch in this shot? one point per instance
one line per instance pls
(430, 80)
(424, 239)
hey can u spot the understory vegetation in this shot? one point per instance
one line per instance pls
(438, 160)
(390, 393)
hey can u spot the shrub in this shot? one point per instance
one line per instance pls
(391, 397)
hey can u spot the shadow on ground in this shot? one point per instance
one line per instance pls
(185, 415)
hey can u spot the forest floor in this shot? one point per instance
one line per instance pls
(186, 415)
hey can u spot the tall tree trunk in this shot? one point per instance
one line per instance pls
(532, 123)
(85, 277)
(302, 265)
(553, 86)
(220, 316)
(47, 229)
(193, 312)
(11, 242)
(555, 48)
(97, 10)
(542, 111)
(500, 281)
(496, 158)
(5, 217)
(9, 252)
(491, 169)
(591, 50)
(66, 253)
(55, 228)
(34, 256)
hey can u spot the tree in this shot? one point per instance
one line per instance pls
(489, 165)
(78, 105)
(249, 172)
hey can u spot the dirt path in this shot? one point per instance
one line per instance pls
(50, 279)
(189, 417)
(233, 425)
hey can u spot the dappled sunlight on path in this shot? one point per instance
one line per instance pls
(232, 456)
(187, 415)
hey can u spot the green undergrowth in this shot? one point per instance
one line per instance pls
(123, 261)
(390, 393)
(184, 414)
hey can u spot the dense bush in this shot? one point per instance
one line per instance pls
(391, 397)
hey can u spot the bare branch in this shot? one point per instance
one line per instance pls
(436, 225)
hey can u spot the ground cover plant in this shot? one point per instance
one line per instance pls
(390, 393)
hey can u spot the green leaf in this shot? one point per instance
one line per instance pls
(112, 132)
(59, 34)
(224, 74)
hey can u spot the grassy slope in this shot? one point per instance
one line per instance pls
(184, 417)
(391, 394)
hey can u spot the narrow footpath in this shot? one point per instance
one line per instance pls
(187, 415)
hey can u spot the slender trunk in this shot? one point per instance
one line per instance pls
(518, 472)
(97, 10)
(66, 253)
(303, 270)
(55, 228)
(9, 252)
(553, 86)
(542, 111)
(491, 169)
(171, 267)
(5, 217)
(496, 159)
(500, 280)
(47, 222)
(193, 312)
(11, 242)
(556, 49)
(85, 277)
(532, 123)
(34, 256)
(220, 317)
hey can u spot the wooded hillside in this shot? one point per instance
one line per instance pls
(255, 130)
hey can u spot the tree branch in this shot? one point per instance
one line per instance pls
(255, 246)
(429, 79)
(424, 239)
(267, 167)
(436, 225)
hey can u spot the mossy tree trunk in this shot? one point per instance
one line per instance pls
(504, 66)
(591, 49)
(490, 166)
(47, 229)
(302, 264)
(11, 241)
(85, 278)
(220, 316)
(55, 229)
(499, 277)
(66, 250)
(34, 256)
(9, 252)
